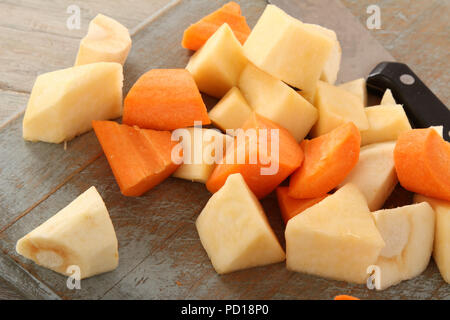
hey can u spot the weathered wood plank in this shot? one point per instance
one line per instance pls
(49, 17)
(28, 286)
(9, 293)
(25, 55)
(31, 171)
(35, 38)
(416, 33)
(11, 104)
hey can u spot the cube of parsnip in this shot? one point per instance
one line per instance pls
(332, 65)
(337, 106)
(234, 229)
(335, 238)
(374, 174)
(357, 87)
(408, 233)
(63, 103)
(200, 151)
(231, 111)
(386, 122)
(217, 65)
(106, 41)
(81, 234)
(441, 249)
(288, 49)
(275, 100)
(388, 98)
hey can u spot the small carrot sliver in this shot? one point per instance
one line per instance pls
(197, 34)
(422, 162)
(164, 99)
(139, 158)
(328, 160)
(290, 207)
(345, 297)
(289, 158)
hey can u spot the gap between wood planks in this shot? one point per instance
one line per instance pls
(41, 285)
(155, 249)
(52, 191)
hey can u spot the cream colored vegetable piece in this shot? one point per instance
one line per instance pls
(337, 106)
(288, 49)
(441, 250)
(80, 235)
(217, 65)
(335, 238)
(439, 130)
(332, 65)
(388, 98)
(408, 233)
(202, 153)
(231, 111)
(374, 174)
(357, 87)
(275, 100)
(386, 123)
(234, 229)
(63, 103)
(106, 41)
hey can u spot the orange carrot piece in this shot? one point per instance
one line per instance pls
(164, 99)
(328, 160)
(290, 157)
(345, 297)
(198, 33)
(422, 162)
(139, 158)
(290, 207)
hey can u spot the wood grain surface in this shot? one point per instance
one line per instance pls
(160, 253)
(416, 33)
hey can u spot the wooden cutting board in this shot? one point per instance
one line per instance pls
(160, 254)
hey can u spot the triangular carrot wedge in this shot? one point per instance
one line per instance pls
(290, 207)
(198, 33)
(139, 158)
(328, 160)
(422, 162)
(269, 168)
(164, 99)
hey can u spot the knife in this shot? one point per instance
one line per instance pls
(422, 107)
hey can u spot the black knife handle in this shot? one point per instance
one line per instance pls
(422, 107)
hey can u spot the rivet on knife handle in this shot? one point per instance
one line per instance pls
(422, 107)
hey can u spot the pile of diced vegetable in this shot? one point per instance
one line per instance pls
(332, 160)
